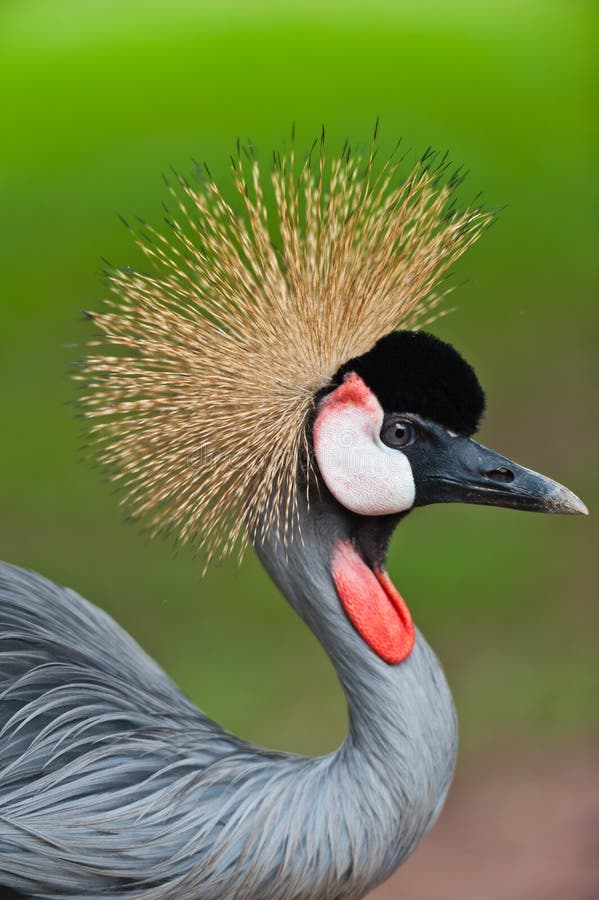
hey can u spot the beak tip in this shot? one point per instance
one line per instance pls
(569, 503)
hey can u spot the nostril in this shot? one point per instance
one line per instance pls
(501, 475)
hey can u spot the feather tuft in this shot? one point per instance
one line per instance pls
(200, 386)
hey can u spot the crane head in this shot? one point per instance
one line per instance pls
(395, 433)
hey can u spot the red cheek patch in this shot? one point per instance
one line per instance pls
(373, 605)
(353, 392)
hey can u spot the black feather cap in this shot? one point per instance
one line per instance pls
(413, 371)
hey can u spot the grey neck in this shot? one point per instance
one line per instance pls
(396, 763)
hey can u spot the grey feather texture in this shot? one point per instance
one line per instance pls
(113, 784)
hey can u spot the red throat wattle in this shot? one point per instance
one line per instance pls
(373, 605)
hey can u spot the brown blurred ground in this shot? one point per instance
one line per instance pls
(521, 827)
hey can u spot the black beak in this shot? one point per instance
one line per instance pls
(459, 470)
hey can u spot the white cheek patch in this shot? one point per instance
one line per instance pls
(361, 472)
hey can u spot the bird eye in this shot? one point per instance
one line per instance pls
(397, 432)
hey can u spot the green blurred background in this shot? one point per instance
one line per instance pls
(97, 99)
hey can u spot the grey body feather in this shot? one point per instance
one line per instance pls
(113, 784)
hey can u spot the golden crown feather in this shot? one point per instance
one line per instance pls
(202, 380)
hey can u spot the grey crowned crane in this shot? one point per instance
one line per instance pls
(270, 378)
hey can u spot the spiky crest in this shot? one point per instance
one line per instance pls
(200, 411)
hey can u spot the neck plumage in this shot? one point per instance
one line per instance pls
(392, 772)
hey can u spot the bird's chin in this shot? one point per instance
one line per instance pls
(371, 536)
